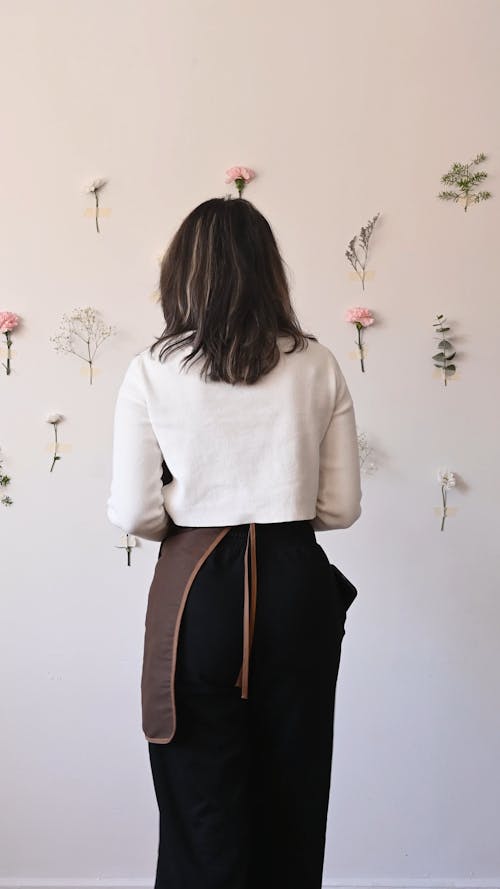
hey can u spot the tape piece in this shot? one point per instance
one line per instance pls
(450, 378)
(101, 211)
(85, 370)
(357, 354)
(369, 275)
(450, 511)
(62, 447)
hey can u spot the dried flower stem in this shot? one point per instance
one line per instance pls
(359, 262)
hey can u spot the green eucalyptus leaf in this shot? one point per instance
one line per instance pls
(450, 369)
(439, 356)
(445, 344)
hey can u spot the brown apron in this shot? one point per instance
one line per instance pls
(182, 553)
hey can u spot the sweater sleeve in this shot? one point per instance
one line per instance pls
(339, 491)
(135, 503)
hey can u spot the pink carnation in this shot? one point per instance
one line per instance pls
(8, 320)
(359, 315)
(239, 173)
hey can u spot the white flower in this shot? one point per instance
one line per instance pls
(54, 418)
(446, 479)
(95, 186)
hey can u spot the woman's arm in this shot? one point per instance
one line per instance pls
(135, 503)
(339, 492)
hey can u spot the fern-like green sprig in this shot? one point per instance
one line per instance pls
(466, 181)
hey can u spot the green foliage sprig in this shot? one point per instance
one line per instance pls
(443, 358)
(4, 481)
(466, 181)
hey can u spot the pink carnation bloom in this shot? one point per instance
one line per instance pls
(8, 320)
(239, 173)
(361, 315)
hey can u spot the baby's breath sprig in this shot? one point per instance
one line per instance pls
(84, 325)
(367, 463)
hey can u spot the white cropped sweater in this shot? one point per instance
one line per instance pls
(281, 449)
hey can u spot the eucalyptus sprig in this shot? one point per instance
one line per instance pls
(466, 181)
(443, 358)
(359, 261)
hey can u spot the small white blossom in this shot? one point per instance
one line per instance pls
(446, 479)
(54, 418)
(95, 186)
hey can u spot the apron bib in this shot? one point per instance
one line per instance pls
(182, 553)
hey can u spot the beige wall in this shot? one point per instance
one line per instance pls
(344, 109)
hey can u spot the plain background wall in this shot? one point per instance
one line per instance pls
(344, 110)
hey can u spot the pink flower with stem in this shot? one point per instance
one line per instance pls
(240, 176)
(8, 321)
(361, 318)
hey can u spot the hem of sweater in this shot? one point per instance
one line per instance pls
(239, 519)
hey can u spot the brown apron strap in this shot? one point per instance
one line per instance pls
(248, 610)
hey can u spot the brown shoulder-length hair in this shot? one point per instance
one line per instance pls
(224, 291)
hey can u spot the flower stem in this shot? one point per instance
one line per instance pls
(9, 344)
(96, 209)
(361, 350)
(443, 493)
(55, 447)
